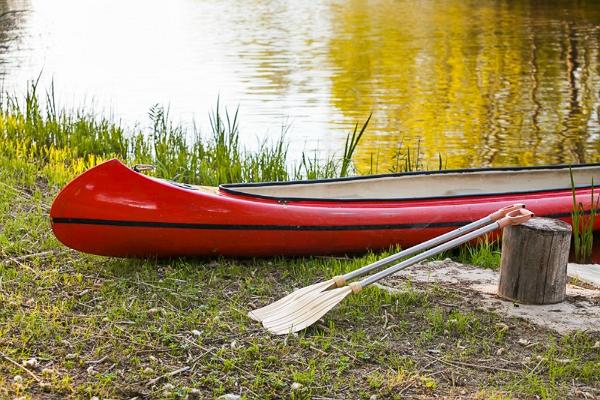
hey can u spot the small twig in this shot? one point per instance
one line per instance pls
(167, 375)
(96, 361)
(171, 291)
(42, 253)
(536, 367)
(405, 388)
(422, 369)
(460, 363)
(7, 358)
(20, 192)
(344, 352)
(318, 350)
(14, 260)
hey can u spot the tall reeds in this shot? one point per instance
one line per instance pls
(583, 224)
(44, 132)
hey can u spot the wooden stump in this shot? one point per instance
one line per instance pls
(534, 261)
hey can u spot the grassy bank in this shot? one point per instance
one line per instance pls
(116, 328)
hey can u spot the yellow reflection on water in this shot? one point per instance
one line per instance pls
(479, 83)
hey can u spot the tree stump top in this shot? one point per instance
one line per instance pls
(547, 226)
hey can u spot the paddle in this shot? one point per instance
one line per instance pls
(311, 307)
(340, 280)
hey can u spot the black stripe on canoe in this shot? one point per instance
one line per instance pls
(236, 227)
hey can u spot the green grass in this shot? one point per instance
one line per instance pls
(583, 224)
(485, 254)
(117, 328)
(47, 135)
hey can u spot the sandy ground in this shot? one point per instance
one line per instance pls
(588, 273)
(579, 312)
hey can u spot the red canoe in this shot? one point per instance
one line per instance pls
(113, 210)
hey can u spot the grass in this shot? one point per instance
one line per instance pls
(80, 139)
(485, 254)
(116, 328)
(583, 225)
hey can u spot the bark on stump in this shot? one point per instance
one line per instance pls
(534, 261)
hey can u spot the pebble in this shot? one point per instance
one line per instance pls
(31, 363)
(229, 396)
(502, 327)
(154, 311)
(296, 386)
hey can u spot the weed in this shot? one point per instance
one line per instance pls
(486, 253)
(583, 224)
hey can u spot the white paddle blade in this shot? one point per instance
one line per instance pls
(272, 309)
(298, 308)
(306, 312)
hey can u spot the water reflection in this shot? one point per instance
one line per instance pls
(481, 83)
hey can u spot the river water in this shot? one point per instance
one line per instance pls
(478, 83)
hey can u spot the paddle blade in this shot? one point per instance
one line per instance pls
(272, 309)
(305, 312)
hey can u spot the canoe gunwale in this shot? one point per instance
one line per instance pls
(284, 199)
(234, 188)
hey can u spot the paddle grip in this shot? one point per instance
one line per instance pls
(515, 217)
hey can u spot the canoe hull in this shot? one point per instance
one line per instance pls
(112, 210)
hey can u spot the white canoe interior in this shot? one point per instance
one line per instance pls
(444, 184)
